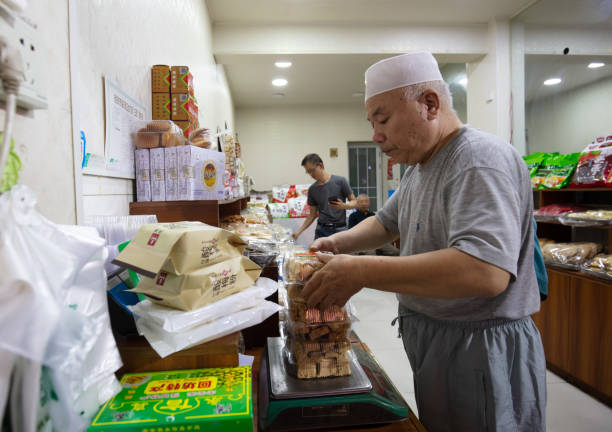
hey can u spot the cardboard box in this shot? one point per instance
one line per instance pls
(200, 173)
(160, 79)
(143, 175)
(218, 399)
(181, 80)
(186, 126)
(171, 167)
(158, 183)
(161, 106)
(184, 108)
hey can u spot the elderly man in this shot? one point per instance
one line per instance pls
(465, 278)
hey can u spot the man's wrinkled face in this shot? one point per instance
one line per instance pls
(401, 127)
(363, 204)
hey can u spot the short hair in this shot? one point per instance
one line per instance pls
(363, 196)
(414, 91)
(313, 158)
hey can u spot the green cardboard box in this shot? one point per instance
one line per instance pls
(216, 399)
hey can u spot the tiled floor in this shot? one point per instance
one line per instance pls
(568, 409)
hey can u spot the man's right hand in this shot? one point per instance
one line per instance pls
(325, 244)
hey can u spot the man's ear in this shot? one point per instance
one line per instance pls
(432, 101)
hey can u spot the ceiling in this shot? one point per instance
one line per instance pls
(324, 79)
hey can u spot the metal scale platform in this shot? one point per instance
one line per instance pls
(365, 397)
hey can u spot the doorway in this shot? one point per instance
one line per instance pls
(365, 173)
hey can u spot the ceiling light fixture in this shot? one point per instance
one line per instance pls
(283, 64)
(552, 81)
(596, 65)
(279, 82)
(463, 81)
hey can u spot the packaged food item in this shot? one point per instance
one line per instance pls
(184, 107)
(298, 207)
(143, 174)
(160, 79)
(201, 138)
(302, 189)
(299, 266)
(556, 171)
(178, 248)
(171, 174)
(218, 399)
(589, 217)
(570, 255)
(186, 126)
(600, 266)
(200, 287)
(307, 360)
(281, 194)
(554, 211)
(158, 174)
(159, 133)
(534, 161)
(279, 210)
(161, 106)
(544, 241)
(200, 173)
(181, 80)
(594, 169)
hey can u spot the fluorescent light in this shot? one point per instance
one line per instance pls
(552, 81)
(463, 81)
(283, 64)
(596, 65)
(279, 82)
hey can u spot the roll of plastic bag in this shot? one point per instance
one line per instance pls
(166, 343)
(174, 320)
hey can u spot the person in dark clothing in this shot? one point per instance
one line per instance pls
(363, 212)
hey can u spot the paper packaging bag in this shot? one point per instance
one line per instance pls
(178, 248)
(200, 287)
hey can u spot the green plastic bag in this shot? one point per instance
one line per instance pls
(10, 175)
(559, 170)
(534, 161)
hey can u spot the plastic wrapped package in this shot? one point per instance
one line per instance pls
(299, 266)
(600, 266)
(201, 138)
(589, 217)
(262, 252)
(307, 360)
(594, 169)
(553, 212)
(570, 255)
(544, 241)
(159, 133)
(279, 210)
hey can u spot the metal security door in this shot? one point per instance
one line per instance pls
(365, 174)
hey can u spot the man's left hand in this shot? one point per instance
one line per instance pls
(335, 283)
(337, 205)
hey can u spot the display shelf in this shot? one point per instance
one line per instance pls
(605, 227)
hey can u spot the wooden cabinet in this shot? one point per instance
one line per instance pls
(209, 212)
(575, 321)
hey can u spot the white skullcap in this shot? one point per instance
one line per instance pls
(400, 71)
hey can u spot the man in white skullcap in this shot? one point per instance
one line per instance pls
(465, 276)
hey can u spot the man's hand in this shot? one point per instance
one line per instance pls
(335, 283)
(324, 244)
(295, 235)
(337, 205)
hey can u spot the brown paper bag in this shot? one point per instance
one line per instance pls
(200, 287)
(178, 248)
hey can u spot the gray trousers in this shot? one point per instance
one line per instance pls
(476, 376)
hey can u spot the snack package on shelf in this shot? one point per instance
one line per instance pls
(298, 207)
(570, 255)
(299, 266)
(600, 266)
(159, 133)
(555, 172)
(534, 161)
(262, 252)
(279, 210)
(552, 212)
(594, 169)
(545, 241)
(597, 217)
(201, 138)
(281, 194)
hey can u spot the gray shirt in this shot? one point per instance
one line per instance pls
(318, 195)
(475, 195)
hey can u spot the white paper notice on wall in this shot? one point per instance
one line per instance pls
(123, 116)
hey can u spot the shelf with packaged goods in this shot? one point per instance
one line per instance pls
(208, 211)
(573, 320)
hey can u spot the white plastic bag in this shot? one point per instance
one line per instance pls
(166, 343)
(174, 320)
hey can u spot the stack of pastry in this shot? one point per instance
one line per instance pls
(159, 133)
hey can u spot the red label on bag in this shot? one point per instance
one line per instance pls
(161, 279)
(153, 239)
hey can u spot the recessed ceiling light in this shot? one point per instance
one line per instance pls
(283, 64)
(357, 94)
(552, 81)
(463, 81)
(278, 95)
(596, 65)
(279, 82)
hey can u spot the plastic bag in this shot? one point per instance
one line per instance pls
(299, 266)
(556, 171)
(552, 212)
(298, 207)
(534, 161)
(600, 266)
(279, 210)
(594, 169)
(166, 343)
(172, 320)
(588, 218)
(570, 255)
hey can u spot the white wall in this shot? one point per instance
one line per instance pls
(275, 140)
(119, 39)
(569, 121)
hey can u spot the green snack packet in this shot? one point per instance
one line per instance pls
(560, 169)
(534, 161)
(541, 171)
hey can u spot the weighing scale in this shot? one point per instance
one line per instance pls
(365, 397)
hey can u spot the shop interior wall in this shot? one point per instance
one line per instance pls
(122, 40)
(275, 140)
(43, 138)
(567, 122)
